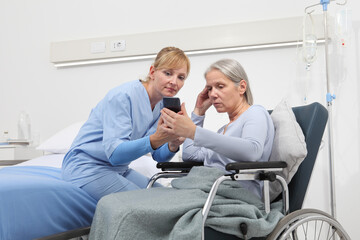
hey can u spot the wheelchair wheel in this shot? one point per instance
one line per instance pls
(308, 224)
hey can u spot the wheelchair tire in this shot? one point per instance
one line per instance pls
(308, 224)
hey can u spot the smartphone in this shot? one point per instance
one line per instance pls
(172, 103)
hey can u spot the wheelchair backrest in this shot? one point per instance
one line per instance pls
(312, 119)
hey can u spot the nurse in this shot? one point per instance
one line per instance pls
(124, 126)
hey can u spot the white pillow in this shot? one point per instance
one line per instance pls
(62, 140)
(289, 144)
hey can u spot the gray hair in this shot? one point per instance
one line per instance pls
(233, 70)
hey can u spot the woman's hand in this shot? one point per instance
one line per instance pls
(174, 145)
(162, 135)
(178, 124)
(203, 102)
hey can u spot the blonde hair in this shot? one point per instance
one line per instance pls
(171, 58)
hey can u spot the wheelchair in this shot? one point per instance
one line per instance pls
(297, 224)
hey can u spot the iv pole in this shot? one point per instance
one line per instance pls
(329, 99)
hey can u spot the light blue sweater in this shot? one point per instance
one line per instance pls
(248, 138)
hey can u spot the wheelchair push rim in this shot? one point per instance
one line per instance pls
(308, 224)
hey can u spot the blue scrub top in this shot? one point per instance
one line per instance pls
(123, 115)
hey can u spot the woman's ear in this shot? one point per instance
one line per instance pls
(151, 72)
(242, 87)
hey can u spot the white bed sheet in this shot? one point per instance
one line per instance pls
(49, 160)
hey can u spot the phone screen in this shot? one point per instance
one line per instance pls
(172, 103)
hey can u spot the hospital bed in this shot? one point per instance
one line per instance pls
(35, 202)
(298, 223)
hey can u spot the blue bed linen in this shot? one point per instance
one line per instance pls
(35, 202)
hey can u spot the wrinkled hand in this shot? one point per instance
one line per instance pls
(203, 102)
(179, 124)
(174, 145)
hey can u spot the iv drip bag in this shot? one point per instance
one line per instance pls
(309, 48)
(343, 26)
(309, 40)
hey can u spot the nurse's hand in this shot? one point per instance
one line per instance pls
(161, 136)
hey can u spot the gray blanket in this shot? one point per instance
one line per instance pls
(175, 213)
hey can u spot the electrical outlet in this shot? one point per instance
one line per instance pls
(119, 45)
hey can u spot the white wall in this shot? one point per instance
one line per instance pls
(55, 98)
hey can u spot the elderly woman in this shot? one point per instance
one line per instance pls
(247, 137)
(175, 213)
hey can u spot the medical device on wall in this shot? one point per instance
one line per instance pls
(329, 98)
(249, 35)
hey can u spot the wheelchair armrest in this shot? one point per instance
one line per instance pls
(237, 166)
(172, 170)
(178, 166)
